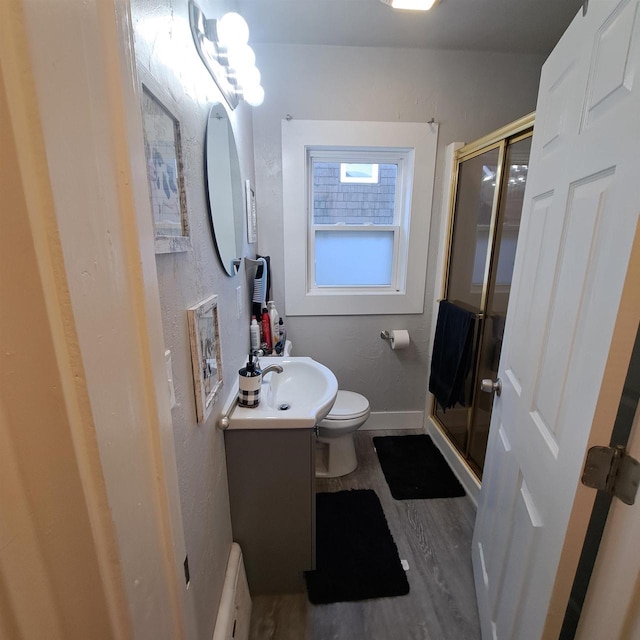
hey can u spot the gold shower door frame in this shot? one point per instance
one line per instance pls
(499, 140)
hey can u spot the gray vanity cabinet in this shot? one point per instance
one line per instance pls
(272, 493)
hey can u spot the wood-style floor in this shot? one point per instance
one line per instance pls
(434, 536)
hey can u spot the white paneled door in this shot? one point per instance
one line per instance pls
(579, 219)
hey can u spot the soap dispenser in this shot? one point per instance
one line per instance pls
(249, 384)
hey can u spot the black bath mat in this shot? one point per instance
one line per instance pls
(415, 469)
(356, 557)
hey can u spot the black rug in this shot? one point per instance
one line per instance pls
(415, 469)
(356, 557)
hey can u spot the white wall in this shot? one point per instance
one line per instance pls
(469, 94)
(165, 49)
(76, 116)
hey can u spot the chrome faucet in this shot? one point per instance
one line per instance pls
(272, 367)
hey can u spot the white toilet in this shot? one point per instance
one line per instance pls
(335, 450)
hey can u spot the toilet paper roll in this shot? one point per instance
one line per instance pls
(400, 339)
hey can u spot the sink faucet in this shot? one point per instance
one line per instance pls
(272, 367)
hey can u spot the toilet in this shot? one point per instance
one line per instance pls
(335, 450)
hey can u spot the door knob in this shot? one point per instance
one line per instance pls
(489, 386)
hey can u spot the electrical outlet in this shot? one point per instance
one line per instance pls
(238, 302)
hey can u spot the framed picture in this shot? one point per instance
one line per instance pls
(252, 214)
(205, 354)
(165, 171)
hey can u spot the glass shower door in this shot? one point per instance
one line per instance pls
(499, 288)
(470, 246)
(484, 233)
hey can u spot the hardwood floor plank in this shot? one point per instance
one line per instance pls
(434, 536)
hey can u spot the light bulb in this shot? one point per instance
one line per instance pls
(240, 56)
(253, 95)
(232, 29)
(414, 5)
(248, 77)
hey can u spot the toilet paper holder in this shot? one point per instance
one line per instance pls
(397, 339)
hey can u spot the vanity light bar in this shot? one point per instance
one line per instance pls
(223, 46)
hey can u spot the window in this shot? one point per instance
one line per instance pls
(356, 224)
(356, 231)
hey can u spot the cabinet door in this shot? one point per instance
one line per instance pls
(271, 492)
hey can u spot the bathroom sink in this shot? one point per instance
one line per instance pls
(301, 396)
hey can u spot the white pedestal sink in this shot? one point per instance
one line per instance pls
(299, 397)
(270, 452)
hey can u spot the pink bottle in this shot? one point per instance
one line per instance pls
(266, 330)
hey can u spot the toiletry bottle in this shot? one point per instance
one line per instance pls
(273, 321)
(266, 330)
(282, 338)
(250, 380)
(254, 331)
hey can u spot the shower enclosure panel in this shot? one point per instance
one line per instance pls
(489, 182)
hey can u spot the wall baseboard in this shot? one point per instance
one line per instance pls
(234, 612)
(468, 480)
(379, 420)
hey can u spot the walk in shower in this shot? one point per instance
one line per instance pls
(489, 182)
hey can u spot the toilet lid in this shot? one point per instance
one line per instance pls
(348, 405)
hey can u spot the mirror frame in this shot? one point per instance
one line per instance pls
(224, 188)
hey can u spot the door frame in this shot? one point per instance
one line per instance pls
(122, 446)
(621, 348)
(606, 510)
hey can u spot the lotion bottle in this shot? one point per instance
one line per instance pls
(254, 331)
(273, 322)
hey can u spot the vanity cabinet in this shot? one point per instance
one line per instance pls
(272, 494)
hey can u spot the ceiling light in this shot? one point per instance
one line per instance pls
(412, 5)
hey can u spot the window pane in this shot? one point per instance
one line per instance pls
(358, 172)
(338, 202)
(354, 258)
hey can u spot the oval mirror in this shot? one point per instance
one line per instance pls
(224, 188)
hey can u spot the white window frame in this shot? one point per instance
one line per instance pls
(418, 143)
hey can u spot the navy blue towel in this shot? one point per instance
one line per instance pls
(451, 357)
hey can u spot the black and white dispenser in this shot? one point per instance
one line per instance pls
(250, 380)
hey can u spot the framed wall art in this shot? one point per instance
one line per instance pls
(165, 171)
(205, 354)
